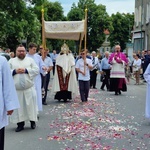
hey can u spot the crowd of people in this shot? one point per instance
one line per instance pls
(137, 66)
(25, 78)
(22, 79)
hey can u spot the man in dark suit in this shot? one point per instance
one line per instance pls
(93, 72)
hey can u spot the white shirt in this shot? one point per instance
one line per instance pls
(80, 65)
(137, 64)
(95, 63)
(48, 62)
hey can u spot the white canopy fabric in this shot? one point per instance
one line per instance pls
(66, 30)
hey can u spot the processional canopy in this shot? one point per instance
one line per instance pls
(66, 30)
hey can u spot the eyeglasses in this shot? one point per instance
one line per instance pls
(41, 47)
(21, 51)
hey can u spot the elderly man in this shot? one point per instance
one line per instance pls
(117, 75)
(8, 97)
(105, 70)
(24, 70)
(93, 72)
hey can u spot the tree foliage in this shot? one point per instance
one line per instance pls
(21, 19)
(98, 20)
(53, 11)
(17, 23)
(122, 26)
(75, 14)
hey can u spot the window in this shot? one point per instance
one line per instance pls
(139, 14)
(147, 14)
(136, 17)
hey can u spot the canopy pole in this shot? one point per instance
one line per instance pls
(43, 29)
(85, 30)
(80, 44)
(43, 33)
(85, 39)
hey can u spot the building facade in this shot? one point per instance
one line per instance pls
(141, 32)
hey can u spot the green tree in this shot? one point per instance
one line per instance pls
(98, 21)
(75, 14)
(17, 23)
(53, 11)
(122, 26)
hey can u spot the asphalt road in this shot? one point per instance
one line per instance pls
(106, 122)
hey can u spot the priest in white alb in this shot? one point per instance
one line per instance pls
(24, 70)
(8, 97)
(65, 82)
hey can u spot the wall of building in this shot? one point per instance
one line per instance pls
(141, 32)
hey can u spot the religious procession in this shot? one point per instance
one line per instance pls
(26, 80)
(56, 99)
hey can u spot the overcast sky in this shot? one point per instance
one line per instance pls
(112, 6)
